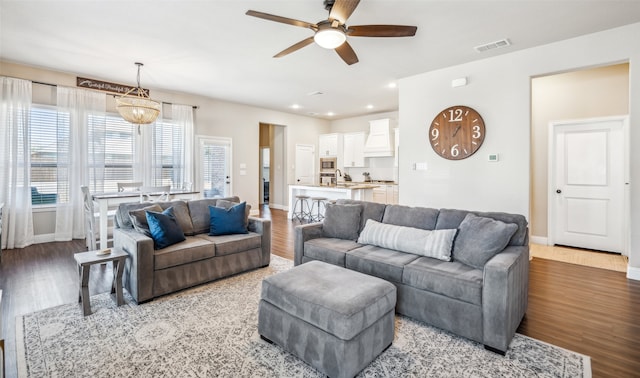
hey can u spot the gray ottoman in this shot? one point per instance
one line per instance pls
(334, 319)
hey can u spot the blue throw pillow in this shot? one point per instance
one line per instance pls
(227, 221)
(164, 228)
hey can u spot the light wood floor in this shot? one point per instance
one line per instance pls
(588, 310)
(602, 260)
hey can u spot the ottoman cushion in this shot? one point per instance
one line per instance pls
(337, 300)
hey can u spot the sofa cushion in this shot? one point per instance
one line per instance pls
(190, 250)
(199, 211)
(417, 217)
(451, 279)
(341, 221)
(233, 243)
(451, 218)
(380, 262)
(181, 212)
(329, 250)
(227, 221)
(139, 218)
(480, 238)
(430, 243)
(164, 228)
(370, 210)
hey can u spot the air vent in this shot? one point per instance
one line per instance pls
(493, 45)
(316, 93)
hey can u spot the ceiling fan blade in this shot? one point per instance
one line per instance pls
(284, 20)
(342, 9)
(382, 31)
(297, 46)
(347, 54)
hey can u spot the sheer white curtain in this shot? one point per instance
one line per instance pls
(15, 163)
(81, 156)
(182, 117)
(170, 148)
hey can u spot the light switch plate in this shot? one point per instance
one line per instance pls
(494, 157)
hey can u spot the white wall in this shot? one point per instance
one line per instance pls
(499, 88)
(214, 117)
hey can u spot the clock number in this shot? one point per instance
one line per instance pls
(476, 132)
(435, 133)
(454, 150)
(455, 115)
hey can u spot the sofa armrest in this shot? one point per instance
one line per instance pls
(302, 234)
(262, 226)
(504, 295)
(139, 267)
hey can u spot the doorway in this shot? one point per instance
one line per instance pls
(582, 94)
(272, 178)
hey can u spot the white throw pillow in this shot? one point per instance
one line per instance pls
(429, 243)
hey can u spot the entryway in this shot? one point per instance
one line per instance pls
(587, 94)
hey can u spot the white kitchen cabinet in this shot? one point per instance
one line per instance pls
(353, 150)
(386, 194)
(329, 144)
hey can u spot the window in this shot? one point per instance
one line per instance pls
(44, 154)
(112, 153)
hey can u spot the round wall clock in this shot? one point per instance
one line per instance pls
(456, 132)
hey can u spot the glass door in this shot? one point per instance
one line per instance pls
(214, 166)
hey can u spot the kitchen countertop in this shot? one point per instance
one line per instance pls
(352, 186)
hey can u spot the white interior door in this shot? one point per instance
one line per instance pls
(305, 164)
(214, 166)
(587, 178)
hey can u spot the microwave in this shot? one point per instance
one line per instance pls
(328, 164)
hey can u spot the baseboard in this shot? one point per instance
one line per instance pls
(278, 207)
(44, 238)
(633, 273)
(542, 240)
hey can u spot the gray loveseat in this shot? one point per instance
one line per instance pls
(477, 299)
(200, 258)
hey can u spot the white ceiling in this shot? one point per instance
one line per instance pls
(211, 48)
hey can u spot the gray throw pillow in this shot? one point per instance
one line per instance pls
(342, 221)
(479, 239)
(429, 243)
(139, 218)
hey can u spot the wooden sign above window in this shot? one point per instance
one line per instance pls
(107, 87)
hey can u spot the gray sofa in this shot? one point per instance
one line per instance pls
(200, 258)
(484, 303)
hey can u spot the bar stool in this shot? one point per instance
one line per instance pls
(316, 202)
(301, 215)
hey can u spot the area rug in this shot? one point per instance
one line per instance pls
(211, 331)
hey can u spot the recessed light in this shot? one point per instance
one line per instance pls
(392, 85)
(295, 106)
(369, 106)
(331, 114)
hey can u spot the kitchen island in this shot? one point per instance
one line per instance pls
(362, 192)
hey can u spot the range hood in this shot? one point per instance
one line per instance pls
(379, 142)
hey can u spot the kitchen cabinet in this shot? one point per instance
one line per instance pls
(396, 141)
(329, 144)
(353, 150)
(387, 194)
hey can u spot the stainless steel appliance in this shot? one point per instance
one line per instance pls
(327, 178)
(328, 164)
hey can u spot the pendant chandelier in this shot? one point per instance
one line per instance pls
(138, 109)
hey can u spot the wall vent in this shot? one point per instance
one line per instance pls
(493, 45)
(314, 93)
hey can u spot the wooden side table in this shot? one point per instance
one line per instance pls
(85, 260)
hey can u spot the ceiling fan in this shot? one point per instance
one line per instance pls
(332, 33)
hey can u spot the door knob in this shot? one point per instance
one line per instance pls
(558, 191)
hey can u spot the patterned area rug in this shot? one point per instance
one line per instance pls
(211, 330)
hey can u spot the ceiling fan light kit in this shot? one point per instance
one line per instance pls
(138, 109)
(329, 38)
(332, 33)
